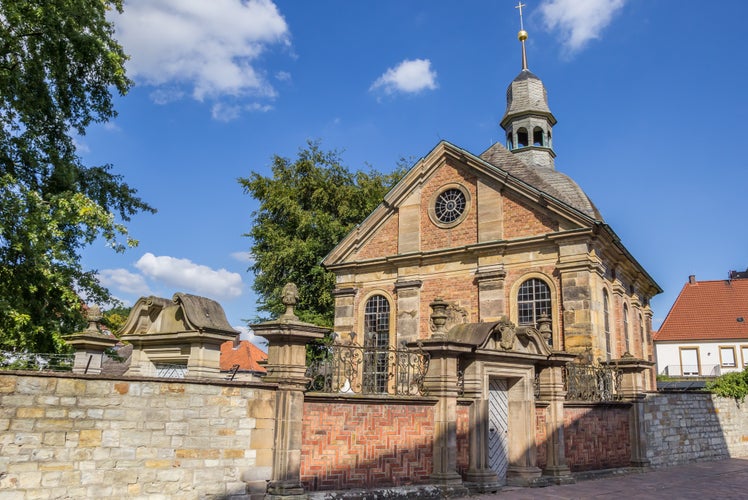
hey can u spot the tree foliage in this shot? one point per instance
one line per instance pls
(59, 63)
(306, 208)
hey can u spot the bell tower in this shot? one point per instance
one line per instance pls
(528, 122)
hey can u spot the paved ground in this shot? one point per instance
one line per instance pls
(722, 479)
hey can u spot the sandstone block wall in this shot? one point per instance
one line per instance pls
(686, 427)
(353, 444)
(74, 437)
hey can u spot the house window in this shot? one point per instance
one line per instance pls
(727, 357)
(533, 301)
(606, 323)
(626, 327)
(689, 361)
(744, 352)
(376, 343)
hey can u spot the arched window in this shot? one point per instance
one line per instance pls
(606, 323)
(626, 327)
(376, 343)
(537, 137)
(522, 138)
(533, 301)
(509, 142)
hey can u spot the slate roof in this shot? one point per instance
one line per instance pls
(245, 354)
(548, 180)
(708, 311)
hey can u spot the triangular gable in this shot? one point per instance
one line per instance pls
(423, 170)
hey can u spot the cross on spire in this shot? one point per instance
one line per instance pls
(519, 6)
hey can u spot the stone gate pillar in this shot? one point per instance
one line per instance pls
(287, 339)
(441, 382)
(90, 344)
(552, 391)
(633, 374)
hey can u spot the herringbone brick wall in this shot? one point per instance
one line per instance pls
(360, 445)
(597, 437)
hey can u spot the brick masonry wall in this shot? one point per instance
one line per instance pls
(597, 437)
(521, 219)
(540, 435)
(686, 427)
(74, 437)
(363, 444)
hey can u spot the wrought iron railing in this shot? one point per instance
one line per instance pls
(586, 382)
(36, 361)
(353, 369)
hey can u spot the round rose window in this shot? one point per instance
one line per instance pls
(449, 205)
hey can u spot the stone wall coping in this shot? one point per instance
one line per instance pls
(596, 404)
(319, 397)
(127, 378)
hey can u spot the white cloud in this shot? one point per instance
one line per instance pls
(124, 281)
(209, 47)
(190, 277)
(243, 257)
(225, 112)
(410, 77)
(579, 21)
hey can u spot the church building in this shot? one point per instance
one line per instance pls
(500, 234)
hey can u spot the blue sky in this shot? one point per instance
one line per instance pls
(649, 97)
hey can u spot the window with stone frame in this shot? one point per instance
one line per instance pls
(376, 344)
(533, 301)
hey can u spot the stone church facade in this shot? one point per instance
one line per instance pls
(497, 234)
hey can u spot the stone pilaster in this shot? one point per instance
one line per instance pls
(408, 309)
(577, 269)
(480, 476)
(522, 470)
(344, 310)
(287, 339)
(491, 306)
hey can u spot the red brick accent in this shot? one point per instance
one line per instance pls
(383, 242)
(464, 233)
(540, 435)
(521, 219)
(351, 445)
(463, 439)
(597, 437)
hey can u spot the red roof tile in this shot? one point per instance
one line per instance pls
(708, 310)
(245, 354)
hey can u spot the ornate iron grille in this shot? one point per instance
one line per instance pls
(345, 370)
(36, 361)
(585, 382)
(165, 370)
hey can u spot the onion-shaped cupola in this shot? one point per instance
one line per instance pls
(528, 120)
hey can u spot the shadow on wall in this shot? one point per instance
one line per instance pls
(684, 427)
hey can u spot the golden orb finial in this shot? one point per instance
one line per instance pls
(522, 35)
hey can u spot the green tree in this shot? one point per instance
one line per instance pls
(59, 63)
(306, 208)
